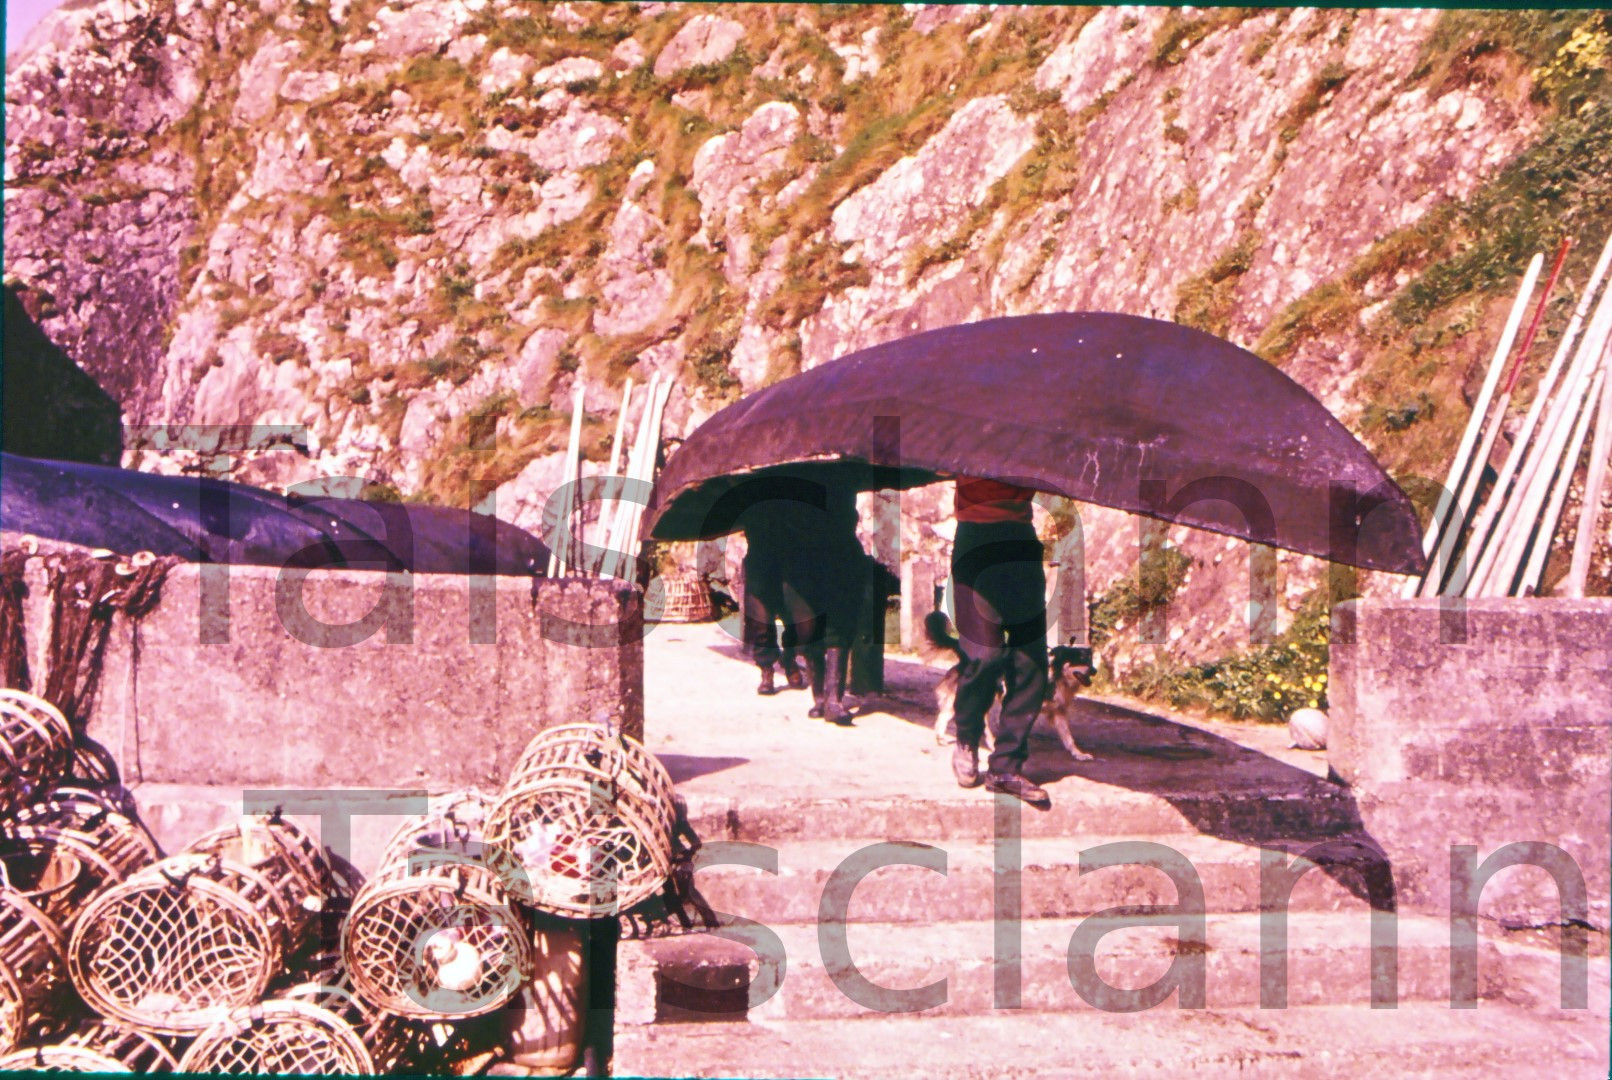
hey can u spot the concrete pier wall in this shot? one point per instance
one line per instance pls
(1485, 724)
(251, 678)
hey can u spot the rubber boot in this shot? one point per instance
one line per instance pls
(794, 674)
(767, 688)
(835, 662)
(814, 667)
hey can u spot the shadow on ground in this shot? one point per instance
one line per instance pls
(684, 767)
(1223, 788)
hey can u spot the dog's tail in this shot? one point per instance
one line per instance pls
(938, 632)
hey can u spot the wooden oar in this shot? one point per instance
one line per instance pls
(1589, 514)
(1535, 571)
(1442, 511)
(1465, 503)
(1485, 530)
(617, 543)
(560, 552)
(607, 505)
(1498, 568)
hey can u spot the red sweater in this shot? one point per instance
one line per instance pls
(985, 501)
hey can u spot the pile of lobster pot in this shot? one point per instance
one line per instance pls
(249, 953)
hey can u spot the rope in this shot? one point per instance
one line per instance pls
(85, 593)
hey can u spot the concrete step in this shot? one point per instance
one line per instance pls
(1050, 882)
(861, 970)
(1304, 808)
(1417, 1040)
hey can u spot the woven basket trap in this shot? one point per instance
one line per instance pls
(687, 598)
(460, 817)
(33, 971)
(433, 935)
(588, 816)
(277, 1038)
(70, 846)
(282, 853)
(395, 1043)
(36, 747)
(179, 944)
(100, 1047)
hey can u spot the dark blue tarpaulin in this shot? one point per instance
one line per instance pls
(203, 519)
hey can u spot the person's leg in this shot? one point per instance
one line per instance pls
(1024, 668)
(840, 601)
(760, 636)
(794, 674)
(979, 633)
(1004, 571)
(808, 629)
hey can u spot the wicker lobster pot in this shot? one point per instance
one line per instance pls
(80, 841)
(394, 1044)
(33, 972)
(51, 880)
(460, 817)
(588, 815)
(36, 747)
(277, 1038)
(99, 1047)
(282, 853)
(687, 599)
(179, 944)
(433, 935)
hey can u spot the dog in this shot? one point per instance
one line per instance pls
(1072, 668)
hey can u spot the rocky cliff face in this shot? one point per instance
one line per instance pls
(356, 239)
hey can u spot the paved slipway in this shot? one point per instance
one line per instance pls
(758, 772)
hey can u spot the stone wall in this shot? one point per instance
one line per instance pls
(1488, 724)
(445, 692)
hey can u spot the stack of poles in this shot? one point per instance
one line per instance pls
(608, 501)
(1510, 538)
(1449, 514)
(620, 518)
(561, 560)
(621, 539)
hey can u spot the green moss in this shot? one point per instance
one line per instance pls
(1161, 577)
(1179, 32)
(1208, 300)
(1315, 96)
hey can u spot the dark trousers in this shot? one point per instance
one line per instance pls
(761, 629)
(1001, 617)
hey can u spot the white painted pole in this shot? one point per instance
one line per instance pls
(647, 475)
(560, 553)
(616, 545)
(607, 506)
(1442, 512)
(1474, 475)
(1594, 485)
(1485, 529)
(1535, 572)
(1499, 566)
